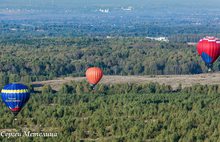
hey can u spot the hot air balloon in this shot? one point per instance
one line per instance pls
(209, 49)
(94, 75)
(15, 96)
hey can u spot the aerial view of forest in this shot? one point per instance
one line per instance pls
(109, 71)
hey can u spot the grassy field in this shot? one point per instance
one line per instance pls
(173, 80)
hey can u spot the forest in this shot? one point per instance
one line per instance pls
(31, 59)
(47, 40)
(117, 113)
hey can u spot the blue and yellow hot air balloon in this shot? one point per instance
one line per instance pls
(15, 96)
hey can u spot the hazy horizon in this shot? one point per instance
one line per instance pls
(68, 4)
(114, 14)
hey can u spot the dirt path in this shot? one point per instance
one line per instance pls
(173, 80)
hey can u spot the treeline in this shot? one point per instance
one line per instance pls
(126, 88)
(83, 88)
(83, 27)
(47, 58)
(194, 38)
(93, 116)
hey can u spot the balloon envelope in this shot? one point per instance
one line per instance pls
(15, 96)
(209, 49)
(94, 75)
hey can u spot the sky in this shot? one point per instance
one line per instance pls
(68, 4)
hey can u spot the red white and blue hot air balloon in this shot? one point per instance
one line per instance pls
(15, 96)
(209, 49)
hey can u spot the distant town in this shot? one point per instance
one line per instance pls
(165, 24)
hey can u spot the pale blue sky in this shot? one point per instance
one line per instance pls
(83, 3)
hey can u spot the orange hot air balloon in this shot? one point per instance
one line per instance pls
(94, 75)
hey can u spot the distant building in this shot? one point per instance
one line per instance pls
(108, 37)
(104, 10)
(128, 8)
(192, 43)
(13, 29)
(164, 39)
